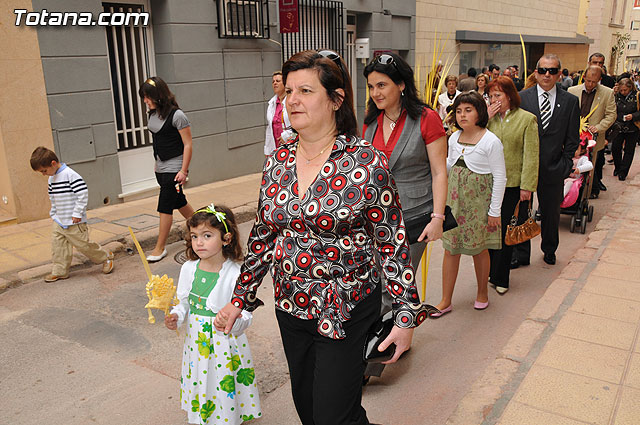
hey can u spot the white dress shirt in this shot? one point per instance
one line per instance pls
(552, 98)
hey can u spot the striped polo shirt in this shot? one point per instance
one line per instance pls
(69, 196)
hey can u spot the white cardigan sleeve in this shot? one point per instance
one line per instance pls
(242, 323)
(187, 272)
(499, 172)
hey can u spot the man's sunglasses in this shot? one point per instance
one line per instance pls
(552, 71)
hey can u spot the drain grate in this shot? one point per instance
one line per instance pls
(181, 257)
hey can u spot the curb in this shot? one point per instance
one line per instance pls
(120, 245)
(489, 396)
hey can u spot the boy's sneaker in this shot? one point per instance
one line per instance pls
(107, 266)
(53, 277)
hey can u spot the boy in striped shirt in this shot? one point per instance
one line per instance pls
(69, 196)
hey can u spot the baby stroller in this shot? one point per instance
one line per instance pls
(576, 202)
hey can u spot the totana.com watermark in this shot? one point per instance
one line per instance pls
(61, 19)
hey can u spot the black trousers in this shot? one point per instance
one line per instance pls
(597, 172)
(501, 258)
(549, 199)
(624, 142)
(326, 374)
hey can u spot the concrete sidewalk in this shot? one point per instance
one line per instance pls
(576, 358)
(25, 249)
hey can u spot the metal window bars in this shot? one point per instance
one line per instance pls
(129, 65)
(322, 26)
(243, 19)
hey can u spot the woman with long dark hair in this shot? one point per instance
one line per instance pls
(328, 206)
(172, 150)
(411, 135)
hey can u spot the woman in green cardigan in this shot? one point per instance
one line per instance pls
(518, 131)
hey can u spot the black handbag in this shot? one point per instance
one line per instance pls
(377, 333)
(414, 226)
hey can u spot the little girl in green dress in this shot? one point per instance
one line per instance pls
(218, 383)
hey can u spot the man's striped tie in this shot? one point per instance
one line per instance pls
(545, 111)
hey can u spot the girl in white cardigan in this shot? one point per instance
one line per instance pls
(218, 384)
(477, 180)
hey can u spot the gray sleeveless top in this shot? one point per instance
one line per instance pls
(409, 164)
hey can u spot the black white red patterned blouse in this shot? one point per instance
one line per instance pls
(321, 249)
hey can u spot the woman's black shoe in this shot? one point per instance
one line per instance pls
(615, 173)
(550, 259)
(622, 177)
(602, 187)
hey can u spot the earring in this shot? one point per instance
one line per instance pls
(335, 108)
(402, 93)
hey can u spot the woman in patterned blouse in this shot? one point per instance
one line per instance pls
(327, 204)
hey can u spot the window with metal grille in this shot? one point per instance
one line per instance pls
(321, 27)
(129, 64)
(243, 18)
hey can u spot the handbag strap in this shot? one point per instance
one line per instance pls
(514, 218)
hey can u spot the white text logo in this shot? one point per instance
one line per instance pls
(58, 19)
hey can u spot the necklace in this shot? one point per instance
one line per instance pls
(393, 122)
(314, 157)
(473, 142)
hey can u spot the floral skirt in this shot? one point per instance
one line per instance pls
(218, 381)
(469, 198)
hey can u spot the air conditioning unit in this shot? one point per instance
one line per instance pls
(242, 18)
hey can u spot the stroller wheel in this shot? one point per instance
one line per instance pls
(583, 226)
(572, 227)
(590, 213)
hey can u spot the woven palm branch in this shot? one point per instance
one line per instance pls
(584, 121)
(161, 293)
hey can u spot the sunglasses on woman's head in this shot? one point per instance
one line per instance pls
(330, 54)
(385, 59)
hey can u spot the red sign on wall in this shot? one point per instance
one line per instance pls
(288, 11)
(636, 4)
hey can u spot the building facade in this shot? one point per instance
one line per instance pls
(482, 33)
(74, 88)
(632, 60)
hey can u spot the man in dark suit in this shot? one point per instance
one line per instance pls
(558, 115)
